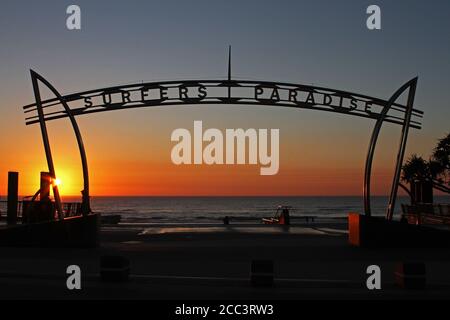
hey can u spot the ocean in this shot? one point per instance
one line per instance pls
(214, 209)
(211, 209)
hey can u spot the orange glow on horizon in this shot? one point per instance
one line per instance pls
(108, 178)
(171, 180)
(135, 160)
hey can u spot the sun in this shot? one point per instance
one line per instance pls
(66, 182)
(57, 182)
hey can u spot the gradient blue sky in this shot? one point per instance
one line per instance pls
(321, 42)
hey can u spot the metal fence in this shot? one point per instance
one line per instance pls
(427, 213)
(71, 209)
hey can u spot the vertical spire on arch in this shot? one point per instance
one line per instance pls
(229, 63)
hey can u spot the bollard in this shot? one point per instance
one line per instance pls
(46, 183)
(261, 274)
(45, 211)
(13, 197)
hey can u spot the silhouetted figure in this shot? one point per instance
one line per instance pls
(284, 217)
(281, 216)
(226, 220)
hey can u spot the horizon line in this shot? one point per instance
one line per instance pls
(221, 196)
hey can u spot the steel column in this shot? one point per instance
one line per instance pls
(86, 208)
(374, 138)
(48, 152)
(401, 151)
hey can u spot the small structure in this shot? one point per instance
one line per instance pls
(423, 210)
(281, 216)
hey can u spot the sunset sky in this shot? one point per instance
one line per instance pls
(324, 43)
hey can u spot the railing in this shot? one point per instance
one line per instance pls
(428, 208)
(426, 213)
(3, 208)
(71, 209)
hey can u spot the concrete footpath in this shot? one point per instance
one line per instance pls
(213, 262)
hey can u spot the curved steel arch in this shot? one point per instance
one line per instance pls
(243, 92)
(35, 77)
(411, 85)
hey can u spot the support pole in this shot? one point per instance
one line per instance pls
(229, 72)
(401, 151)
(13, 197)
(48, 152)
(86, 206)
(373, 141)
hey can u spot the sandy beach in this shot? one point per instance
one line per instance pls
(210, 261)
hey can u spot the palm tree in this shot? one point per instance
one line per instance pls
(416, 169)
(441, 161)
(436, 170)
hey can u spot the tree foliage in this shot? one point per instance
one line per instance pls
(436, 170)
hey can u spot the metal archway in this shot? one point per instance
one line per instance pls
(243, 92)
